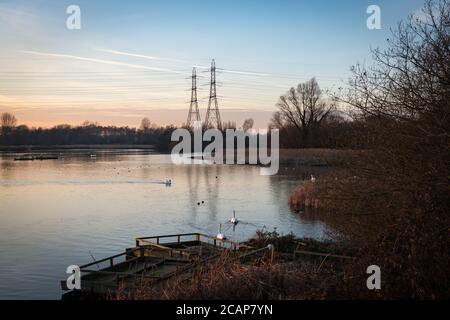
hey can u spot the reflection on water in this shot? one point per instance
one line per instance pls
(56, 213)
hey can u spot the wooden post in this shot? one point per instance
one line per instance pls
(179, 239)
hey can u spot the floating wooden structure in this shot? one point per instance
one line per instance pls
(32, 157)
(24, 158)
(155, 259)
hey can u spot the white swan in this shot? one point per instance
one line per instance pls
(220, 236)
(233, 219)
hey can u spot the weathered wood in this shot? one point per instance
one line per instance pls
(103, 260)
(153, 259)
(170, 251)
(329, 255)
(198, 237)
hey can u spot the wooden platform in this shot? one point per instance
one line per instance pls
(32, 157)
(153, 259)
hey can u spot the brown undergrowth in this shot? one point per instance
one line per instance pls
(269, 275)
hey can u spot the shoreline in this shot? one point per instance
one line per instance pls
(77, 147)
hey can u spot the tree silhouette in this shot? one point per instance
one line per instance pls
(304, 107)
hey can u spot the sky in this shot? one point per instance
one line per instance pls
(133, 59)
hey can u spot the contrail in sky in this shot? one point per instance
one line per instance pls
(121, 53)
(102, 61)
(248, 73)
(244, 72)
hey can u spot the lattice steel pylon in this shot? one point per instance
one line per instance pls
(213, 114)
(194, 114)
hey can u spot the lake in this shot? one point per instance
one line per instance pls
(55, 213)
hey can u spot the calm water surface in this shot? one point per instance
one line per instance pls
(55, 213)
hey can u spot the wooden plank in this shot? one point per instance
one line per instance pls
(171, 251)
(103, 260)
(169, 236)
(322, 254)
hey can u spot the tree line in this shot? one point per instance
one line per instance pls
(88, 133)
(304, 117)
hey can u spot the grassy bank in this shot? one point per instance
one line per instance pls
(311, 156)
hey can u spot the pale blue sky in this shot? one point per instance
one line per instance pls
(49, 74)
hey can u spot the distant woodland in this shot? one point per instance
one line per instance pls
(86, 134)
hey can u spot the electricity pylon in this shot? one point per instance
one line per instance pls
(194, 114)
(213, 114)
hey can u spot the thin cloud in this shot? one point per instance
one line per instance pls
(122, 53)
(246, 73)
(102, 61)
(200, 67)
(13, 18)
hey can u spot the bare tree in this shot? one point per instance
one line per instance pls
(304, 107)
(88, 123)
(394, 198)
(7, 121)
(411, 77)
(277, 121)
(145, 124)
(248, 124)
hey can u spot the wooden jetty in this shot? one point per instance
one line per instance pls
(25, 157)
(32, 157)
(155, 259)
